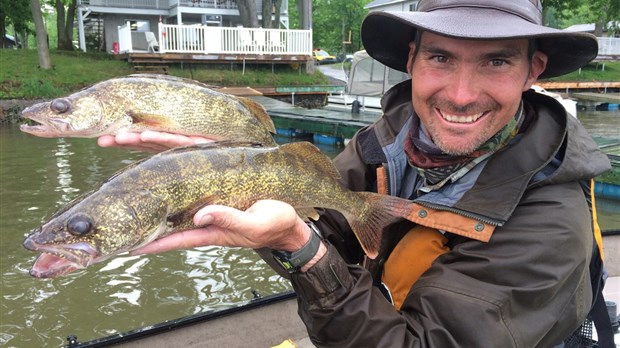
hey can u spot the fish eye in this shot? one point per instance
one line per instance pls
(79, 225)
(60, 105)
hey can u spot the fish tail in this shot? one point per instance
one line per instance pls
(383, 210)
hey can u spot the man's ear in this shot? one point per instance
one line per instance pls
(410, 57)
(537, 67)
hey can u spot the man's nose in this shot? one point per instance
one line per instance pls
(463, 86)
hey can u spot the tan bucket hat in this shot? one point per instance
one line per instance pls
(386, 35)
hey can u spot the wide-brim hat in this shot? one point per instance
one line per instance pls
(386, 35)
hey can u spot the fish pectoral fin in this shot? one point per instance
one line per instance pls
(153, 120)
(185, 217)
(312, 155)
(305, 213)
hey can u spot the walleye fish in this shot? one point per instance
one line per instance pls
(159, 196)
(150, 101)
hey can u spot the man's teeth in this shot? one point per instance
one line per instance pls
(461, 119)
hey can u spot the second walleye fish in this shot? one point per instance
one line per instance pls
(160, 195)
(149, 101)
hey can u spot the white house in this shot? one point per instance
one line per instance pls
(145, 15)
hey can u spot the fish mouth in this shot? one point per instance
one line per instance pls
(54, 128)
(60, 259)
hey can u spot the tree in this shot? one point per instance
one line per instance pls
(278, 8)
(329, 16)
(266, 13)
(269, 7)
(45, 62)
(305, 14)
(64, 23)
(248, 13)
(599, 12)
(16, 13)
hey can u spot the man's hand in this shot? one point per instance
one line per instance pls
(149, 141)
(267, 223)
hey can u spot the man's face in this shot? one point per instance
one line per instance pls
(465, 91)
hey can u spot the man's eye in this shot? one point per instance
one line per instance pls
(498, 62)
(440, 59)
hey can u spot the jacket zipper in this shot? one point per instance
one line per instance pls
(480, 218)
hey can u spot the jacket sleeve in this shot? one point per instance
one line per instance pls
(527, 287)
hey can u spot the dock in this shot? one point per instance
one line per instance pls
(330, 120)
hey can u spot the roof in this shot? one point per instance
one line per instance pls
(589, 27)
(377, 3)
(581, 27)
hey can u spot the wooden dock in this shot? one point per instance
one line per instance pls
(567, 87)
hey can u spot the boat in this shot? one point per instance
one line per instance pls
(270, 321)
(367, 82)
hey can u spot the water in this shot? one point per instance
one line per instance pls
(37, 176)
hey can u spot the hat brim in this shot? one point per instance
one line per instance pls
(386, 35)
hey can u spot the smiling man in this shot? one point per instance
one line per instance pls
(500, 244)
(468, 90)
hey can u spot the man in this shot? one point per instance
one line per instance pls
(498, 247)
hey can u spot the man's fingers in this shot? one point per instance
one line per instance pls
(222, 216)
(180, 240)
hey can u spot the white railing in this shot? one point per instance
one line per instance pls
(167, 4)
(608, 46)
(221, 40)
(141, 4)
(227, 4)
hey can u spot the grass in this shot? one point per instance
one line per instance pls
(21, 78)
(592, 72)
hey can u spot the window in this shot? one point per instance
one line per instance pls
(139, 25)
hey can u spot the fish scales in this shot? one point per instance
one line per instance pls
(151, 102)
(160, 195)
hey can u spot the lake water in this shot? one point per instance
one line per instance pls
(38, 176)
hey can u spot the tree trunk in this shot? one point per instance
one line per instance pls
(266, 13)
(248, 13)
(3, 29)
(598, 28)
(278, 6)
(305, 14)
(64, 24)
(45, 62)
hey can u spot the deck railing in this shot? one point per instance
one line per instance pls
(608, 46)
(165, 4)
(221, 40)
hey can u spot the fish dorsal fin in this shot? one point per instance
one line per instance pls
(313, 155)
(259, 112)
(124, 169)
(172, 79)
(212, 145)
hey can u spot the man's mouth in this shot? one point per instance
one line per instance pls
(460, 118)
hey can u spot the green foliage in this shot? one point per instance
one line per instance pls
(328, 19)
(259, 75)
(20, 76)
(17, 13)
(570, 12)
(34, 88)
(593, 72)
